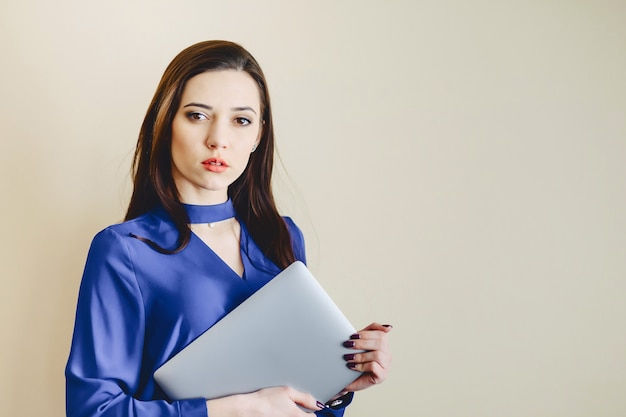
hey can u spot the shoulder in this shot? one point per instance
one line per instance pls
(115, 252)
(114, 241)
(152, 225)
(291, 225)
(149, 223)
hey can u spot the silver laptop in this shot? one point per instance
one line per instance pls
(287, 333)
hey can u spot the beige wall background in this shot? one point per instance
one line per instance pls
(458, 168)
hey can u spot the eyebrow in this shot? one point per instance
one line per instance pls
(204, 106)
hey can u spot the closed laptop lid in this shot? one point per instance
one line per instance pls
(289, 333)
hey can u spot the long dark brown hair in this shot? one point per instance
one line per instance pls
(251, 193)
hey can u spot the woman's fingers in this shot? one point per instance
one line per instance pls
(368, 339)
(281, 401)
(367, 342)
(376, 326)
(267, 402)
(374, 363)
(367, 357)
(377, 373)
(303, 399)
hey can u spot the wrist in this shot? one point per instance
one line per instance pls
(231, 406)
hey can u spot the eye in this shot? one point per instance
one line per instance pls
(242, 121)
(194, 115)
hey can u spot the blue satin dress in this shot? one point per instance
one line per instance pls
(138, 307)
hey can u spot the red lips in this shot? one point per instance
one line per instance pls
(215, 165)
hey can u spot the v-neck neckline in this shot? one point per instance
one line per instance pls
(212, 214)
(244, 259)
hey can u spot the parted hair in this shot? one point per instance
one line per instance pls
(251, 193)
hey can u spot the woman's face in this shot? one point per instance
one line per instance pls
(213, 134)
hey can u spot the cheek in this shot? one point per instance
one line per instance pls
(180, 154)
(181, 145)
(175, 150)
(243, 157)
(242, 147)
(182, 137)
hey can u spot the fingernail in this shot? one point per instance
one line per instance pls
(388, 325)
(349, 343)
(349, 356)
(321, 405)
(351, 365)
(355, 336)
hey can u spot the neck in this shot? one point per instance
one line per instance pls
(201, 197)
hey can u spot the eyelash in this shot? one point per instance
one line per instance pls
(245, 121)
(196, 116)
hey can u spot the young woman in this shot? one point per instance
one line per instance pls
(202, 233)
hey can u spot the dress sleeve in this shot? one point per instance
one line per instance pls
(103, 372)
(297, 240)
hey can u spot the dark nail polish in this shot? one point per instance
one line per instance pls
(349, 343)
(388, 325)
(351, 365)
(355, 336)
(321, 405)
(349, 356)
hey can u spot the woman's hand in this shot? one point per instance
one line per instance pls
(375, 362)
(268, 402)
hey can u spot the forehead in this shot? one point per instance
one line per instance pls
(228, 88)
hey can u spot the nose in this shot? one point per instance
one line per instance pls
(217, 136)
